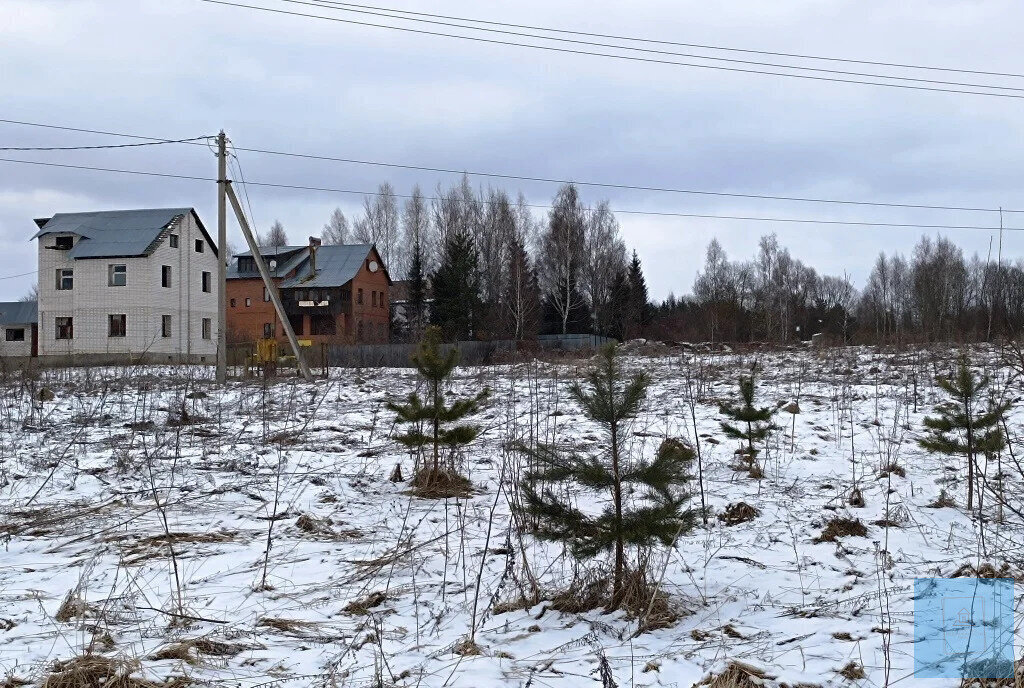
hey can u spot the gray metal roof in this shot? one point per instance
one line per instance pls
(19, 312)
(287, 258)
(335, 266)
(114, 233)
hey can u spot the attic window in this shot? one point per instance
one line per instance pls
(64, 243)
(173, 239)
(199, 245)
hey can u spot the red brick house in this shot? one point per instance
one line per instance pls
(331, 294)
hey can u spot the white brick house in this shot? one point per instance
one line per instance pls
(140, 283)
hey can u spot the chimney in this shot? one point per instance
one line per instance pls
(314, 244)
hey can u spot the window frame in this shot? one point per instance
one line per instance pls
(206, 328)
(120, 331)
(207, 282)
(64, 243)
(9, 331)
(70, 276)
(112, 271)
(172, 240)
(266, 294)
(166, 327)
(248, 302)
(359, 297)
(166, 277)
(269, 330)
(67, 327)
(200, 246)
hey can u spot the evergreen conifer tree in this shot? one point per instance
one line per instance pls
(417, 296)
(456, 289)
(433, 421)
(747, 423)
(639, 307)
(656, 512)
(966, 425)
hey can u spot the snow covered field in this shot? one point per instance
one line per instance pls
(137, 505)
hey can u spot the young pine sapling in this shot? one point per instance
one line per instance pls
(647, 502)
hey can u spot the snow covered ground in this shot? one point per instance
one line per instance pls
(137, 505)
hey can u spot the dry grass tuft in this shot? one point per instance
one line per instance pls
(985, 570)
(363, 606)
(841, 527)
(737, 675)
(892, 469)
(288, 626)
(440, 484)
(1016, 682)
(636, 600)
(96, 671)
(852, 671)
(943, 501)
(190, 651)
(738, 512)
(74, 607)
(467, 648)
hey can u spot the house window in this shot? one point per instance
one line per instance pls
(117, 275)
(248, 302)
(64, 243)
(15, 334)
(173, 240)
(266, 294)
(65, 279)
(373, 298)
(246, 264)
(117, 325)
(165, 326)
(268, 330)
(199, 245)
(64, 329)
(207, 281)
(359, 296)
(165, 276)
(314, 296)
(207, 328)
(232, 303)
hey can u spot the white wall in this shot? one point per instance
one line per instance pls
(143, 300)
(16, 348)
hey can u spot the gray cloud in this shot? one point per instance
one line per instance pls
(187, 68)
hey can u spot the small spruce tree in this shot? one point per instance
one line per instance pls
(655, 513)
(747, 423)
(966, 425)
(433, 421)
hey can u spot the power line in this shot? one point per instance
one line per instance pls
(397, 14)
(23, 274)
(547, 180)
(702, 46)
(91, 131)
(851, 223)
(632, 58)
(118, 145)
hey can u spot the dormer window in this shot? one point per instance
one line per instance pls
(64, 243)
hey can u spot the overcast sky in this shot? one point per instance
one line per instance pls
(184, 68)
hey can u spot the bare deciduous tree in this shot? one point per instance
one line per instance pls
(336, 229)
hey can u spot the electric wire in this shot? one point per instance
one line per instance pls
(546, 180)
(343, 7)
(108, 146)
(633, 58)
(536, 206)
(702, 46)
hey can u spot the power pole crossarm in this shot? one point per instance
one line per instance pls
(275, 296)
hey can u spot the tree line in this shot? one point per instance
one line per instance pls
(937, 293)
(481, 264)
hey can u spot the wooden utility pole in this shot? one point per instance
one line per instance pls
(275, 296)
(222, 258)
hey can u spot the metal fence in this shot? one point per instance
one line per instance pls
(470, 353)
